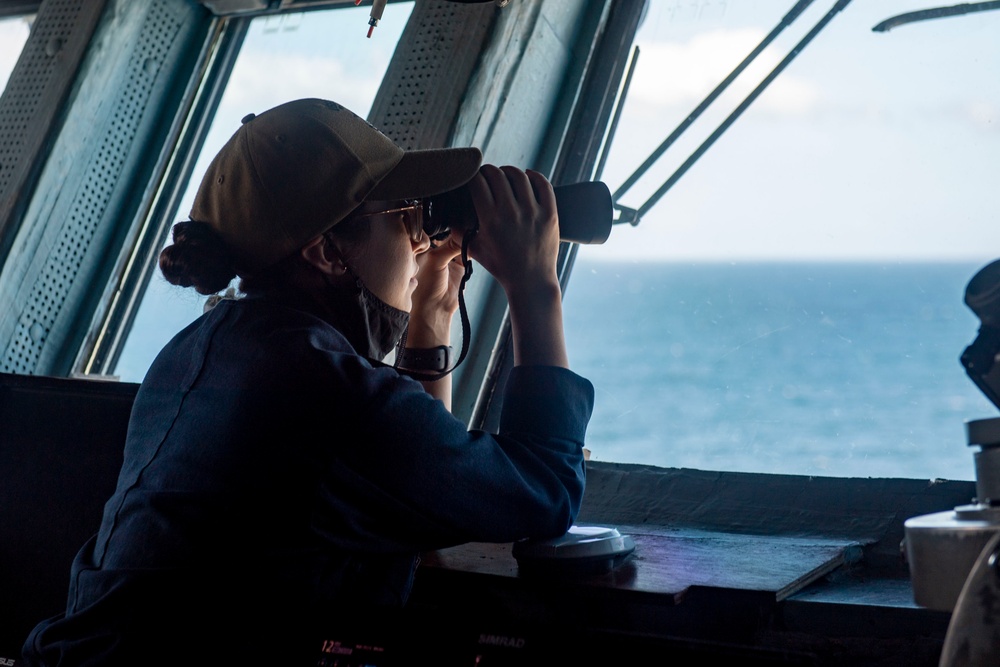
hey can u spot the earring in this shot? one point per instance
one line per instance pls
(339, 266)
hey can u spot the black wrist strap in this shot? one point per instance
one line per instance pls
(434, 359)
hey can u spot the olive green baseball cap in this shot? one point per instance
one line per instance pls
(294, 171)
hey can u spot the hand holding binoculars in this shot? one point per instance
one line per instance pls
(585, 212)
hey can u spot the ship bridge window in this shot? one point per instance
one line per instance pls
(793, 301)
(283, 57)
(13, 34)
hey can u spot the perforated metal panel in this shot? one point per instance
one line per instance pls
(31, 99)
(426, 82)
(86, 197)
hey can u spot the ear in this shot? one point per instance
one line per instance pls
(322, 255)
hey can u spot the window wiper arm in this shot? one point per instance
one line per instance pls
(784, 23)
(935, 13)
(633, 215)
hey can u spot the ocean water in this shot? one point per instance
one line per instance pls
(828, 369)
(833, 369)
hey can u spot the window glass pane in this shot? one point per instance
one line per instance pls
(322, 54)
(13, 35)
(794, 303)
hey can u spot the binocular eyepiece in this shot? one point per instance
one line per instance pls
(585, 212)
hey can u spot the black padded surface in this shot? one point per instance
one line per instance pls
(61, 443)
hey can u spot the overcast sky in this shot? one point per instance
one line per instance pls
(868, 146)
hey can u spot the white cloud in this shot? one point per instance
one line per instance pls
(682, 74)
(279, 78)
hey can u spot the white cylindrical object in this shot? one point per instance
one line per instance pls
(941, 550)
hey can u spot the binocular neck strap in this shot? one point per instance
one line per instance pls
(464, 313)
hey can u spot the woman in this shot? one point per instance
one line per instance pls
(276, 471)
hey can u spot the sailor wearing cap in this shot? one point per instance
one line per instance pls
(279, 480)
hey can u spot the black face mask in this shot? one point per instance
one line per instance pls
(376, 326)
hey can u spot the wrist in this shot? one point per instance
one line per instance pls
(425, 331)
(541, 294)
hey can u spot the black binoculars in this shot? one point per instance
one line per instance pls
(585, 212)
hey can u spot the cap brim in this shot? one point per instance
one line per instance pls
(429, 172)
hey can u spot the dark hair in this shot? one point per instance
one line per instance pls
(197, 258)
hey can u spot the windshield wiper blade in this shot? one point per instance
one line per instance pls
(936, 13)
(655, 155)
(633, 216)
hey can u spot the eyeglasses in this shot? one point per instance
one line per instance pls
(418, 220)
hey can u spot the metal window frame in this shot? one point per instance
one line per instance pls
(112, 324)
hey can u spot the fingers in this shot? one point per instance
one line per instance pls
(436, 294)
(542, 189)
(502, 194)
(440, 252)
(509, 183)
(518, 237)
(520, 186)
(481, 192)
